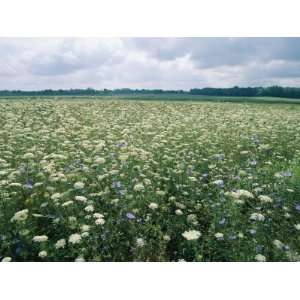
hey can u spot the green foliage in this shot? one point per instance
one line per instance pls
(273, 91)
(149, 181)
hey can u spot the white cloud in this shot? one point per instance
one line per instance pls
(172, 63)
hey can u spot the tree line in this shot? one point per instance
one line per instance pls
(272, 91)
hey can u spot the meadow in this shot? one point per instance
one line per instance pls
(118, 180)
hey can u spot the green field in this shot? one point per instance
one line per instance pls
(108, 179)
(164, 97)
(211, 98)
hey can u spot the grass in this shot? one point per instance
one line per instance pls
(165, 97)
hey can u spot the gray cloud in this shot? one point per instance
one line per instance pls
(168, 63)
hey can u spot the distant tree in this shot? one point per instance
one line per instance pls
(272, 91)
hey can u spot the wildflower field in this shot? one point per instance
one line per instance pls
(92, 180)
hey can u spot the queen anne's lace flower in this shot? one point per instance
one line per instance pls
(257, 217)
(60, 244)
(140, 242)
(43, 254)
(191, 235)
(138, 187)
(260, 258)
(79, 185)
(20, 216)
(219, 236)
(153, 205)
(75, 238)
(265, 199)
(40, 238)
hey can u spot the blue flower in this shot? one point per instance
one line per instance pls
(120, 145)
(219, 156)
(287, 174)
(222, 221)
(116, 185)
(121, 192)
(29, 185)
(298, 207)
(278, 204)
(259, 248)
(130, 216)
(18, 250)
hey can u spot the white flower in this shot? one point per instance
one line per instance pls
(74, 238)
(98, 216)
(166, 238)
(160, 193)
(72, 219)
(140, 242)
(153, 205)
(297, 226)
(89, 208)
(99, 160)
(85, 234)
(28, 155)
(242, 173)
(20, 216)
(278, 244)
(81, 198)
(79, 185)
(218, 182)
(265, 199)
(241, 194)
(40, 238)
(43, 254)
(114, 201)
(147, 181)
(123, 157)
(192, 179)
(192, 218)
(260, 258)
(219, 236)
(67, 203)
(60, 244)
(100, 221)
(138, 187)
(15, 184)
(245, 194)
(85, 228)
(37, 215)
(264, 147)
(6, 259)
(244, 152)
(191, 235)
(80, 259)
(257, 217)
(178, 212)
(56, 196)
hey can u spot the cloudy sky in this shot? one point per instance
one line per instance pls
(166, 63)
